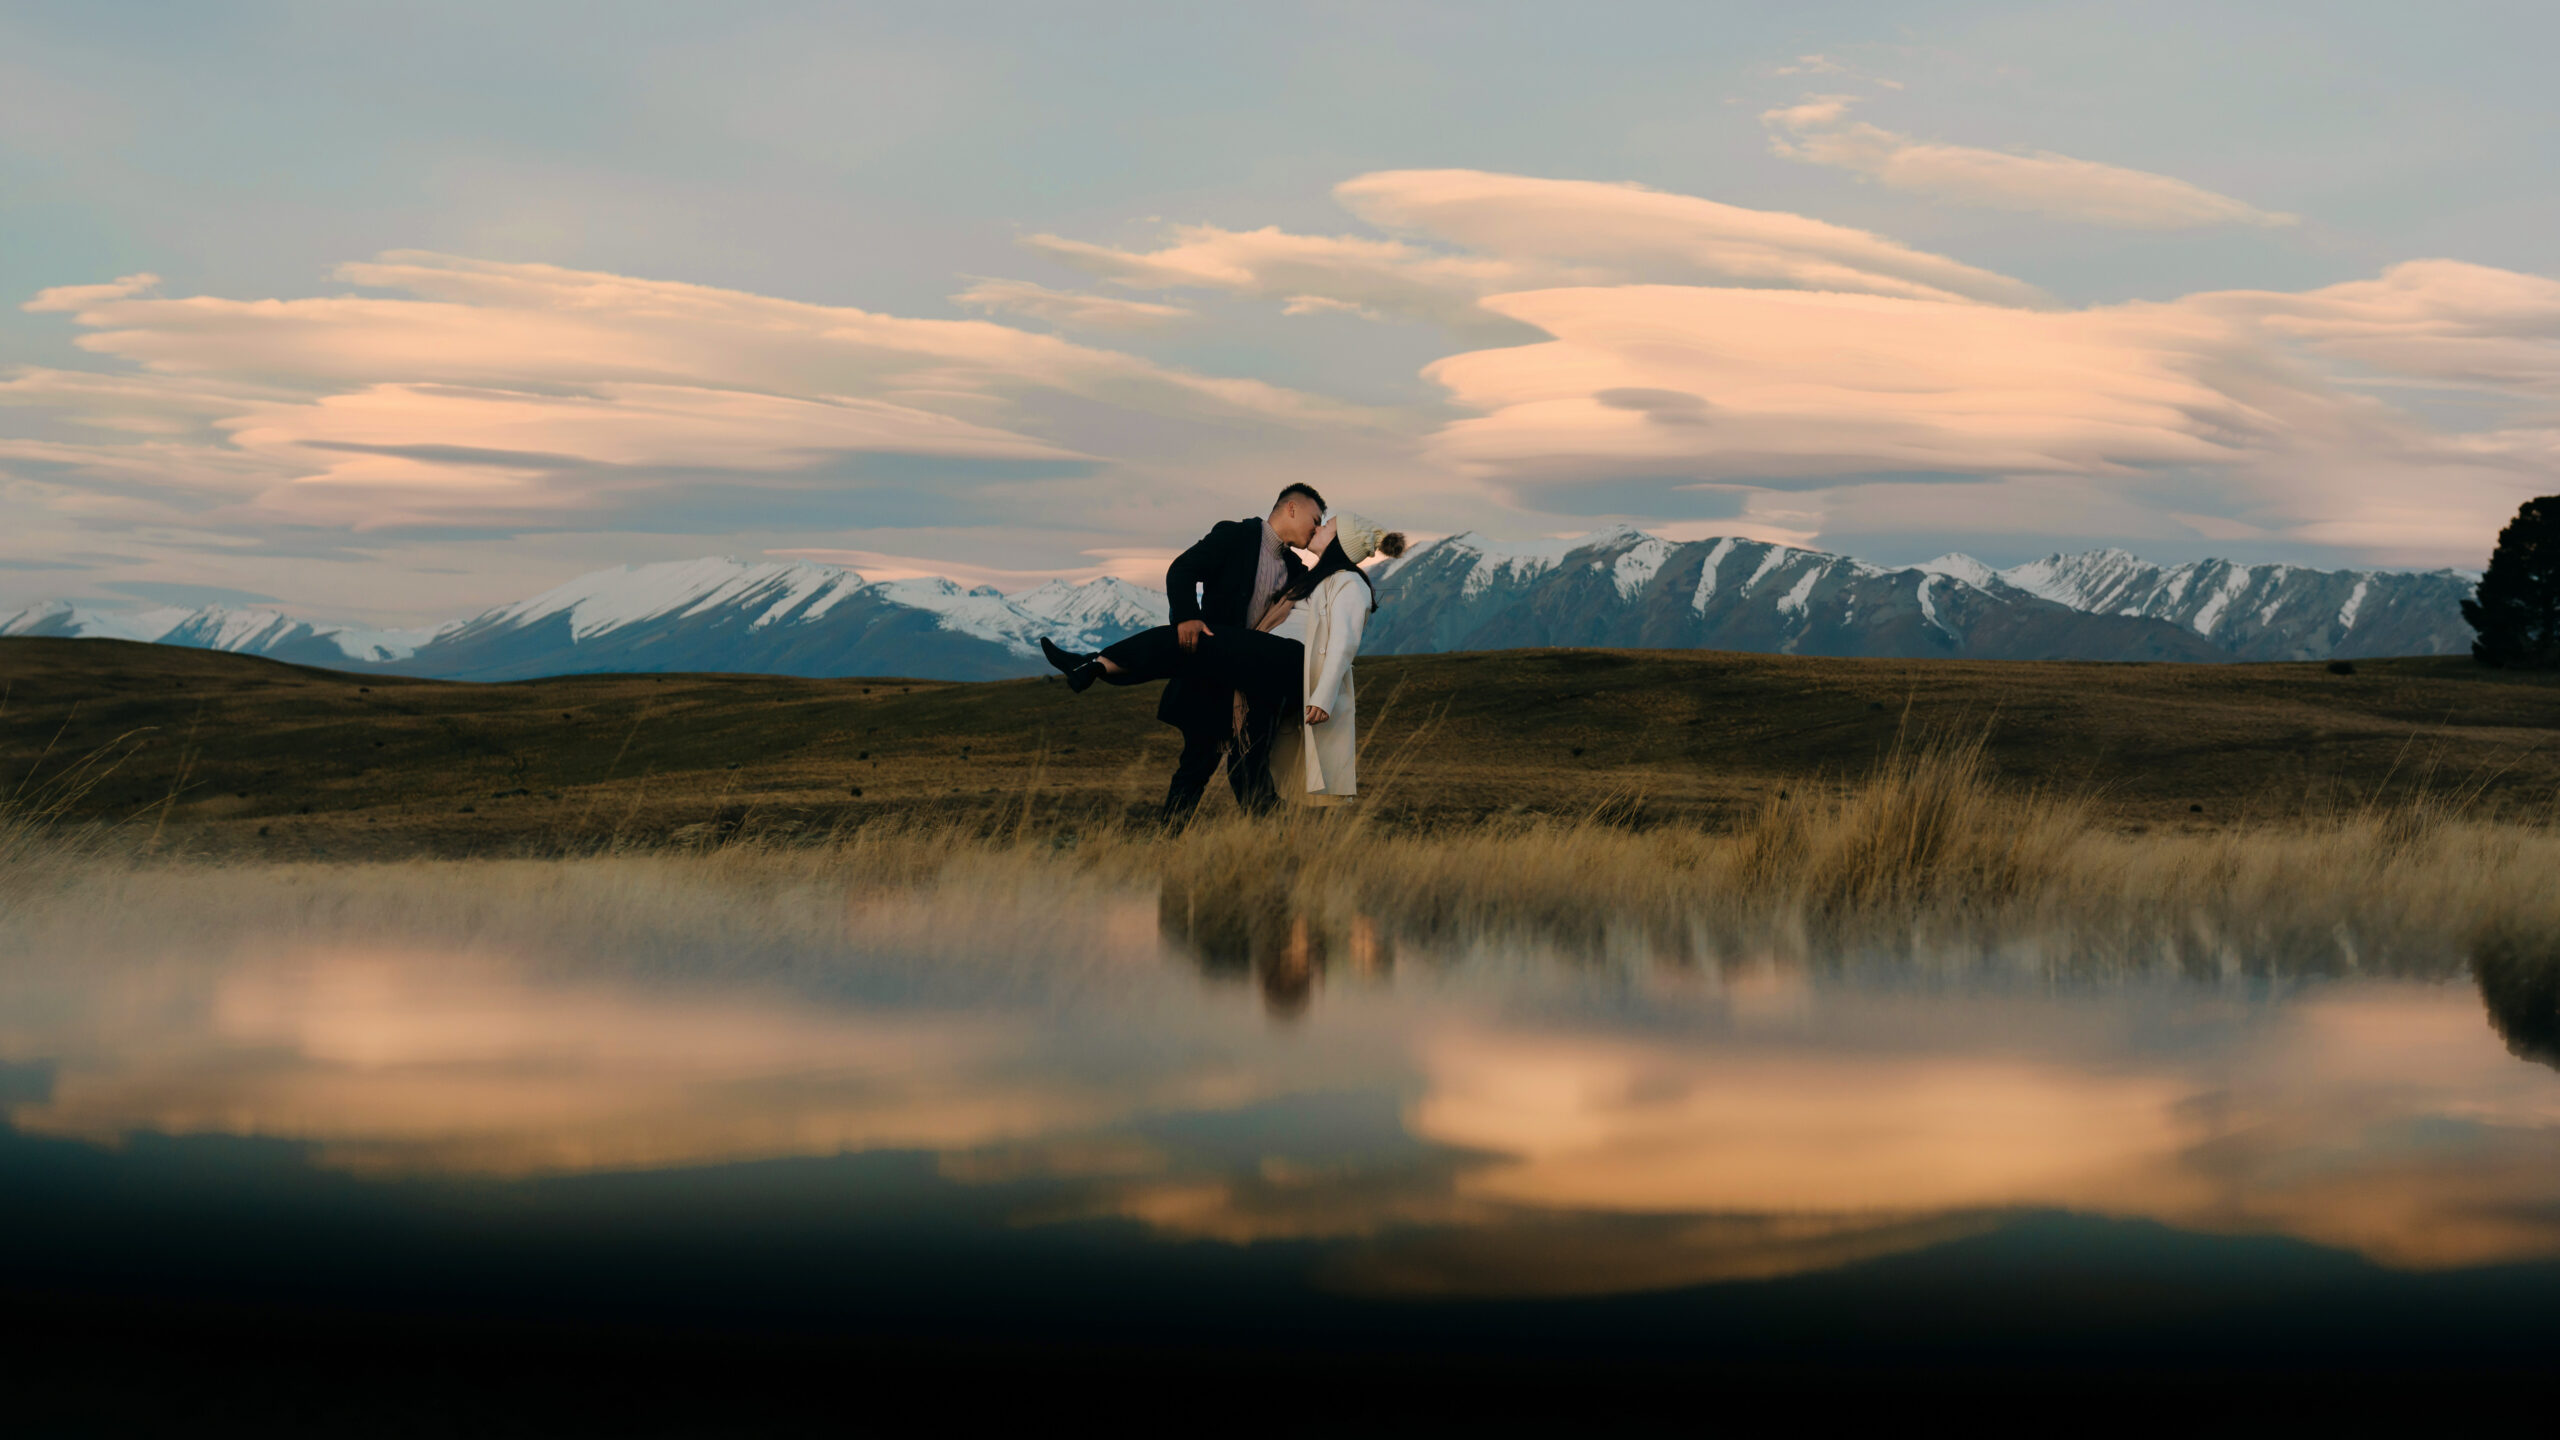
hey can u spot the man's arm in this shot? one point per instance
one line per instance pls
(1183, 577)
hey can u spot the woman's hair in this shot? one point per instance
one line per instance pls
(1335, 560)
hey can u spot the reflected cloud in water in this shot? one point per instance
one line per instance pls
(405, 1060)
(1440, 1124)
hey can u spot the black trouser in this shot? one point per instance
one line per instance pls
(1267, 668)
(1248, 760)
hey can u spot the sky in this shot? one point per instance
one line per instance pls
(388, 313)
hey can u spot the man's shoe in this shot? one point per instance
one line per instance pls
(1081, 678)
(1067, 661)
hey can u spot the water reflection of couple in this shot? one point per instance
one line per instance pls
(1258, 655)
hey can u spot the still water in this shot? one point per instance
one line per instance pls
(1093, 1129)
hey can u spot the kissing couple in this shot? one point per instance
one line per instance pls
(1257, 659)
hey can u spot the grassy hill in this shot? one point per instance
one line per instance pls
(213, 752)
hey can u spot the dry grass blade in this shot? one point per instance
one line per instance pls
(1926, 828)
(1926, 850)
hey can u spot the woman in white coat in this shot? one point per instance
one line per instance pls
(1325, 611)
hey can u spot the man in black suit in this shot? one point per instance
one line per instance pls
(1210, 652)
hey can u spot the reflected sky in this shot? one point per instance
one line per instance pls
(1482, 1123)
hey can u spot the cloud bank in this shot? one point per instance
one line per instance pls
(480, 394)
(1601, 350)
(1628, 342)
(1068, 309)
(1818, 131)
(2263, 410)
(1778, 387)
(1476, 234)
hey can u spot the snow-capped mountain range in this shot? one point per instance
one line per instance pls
(215, 627)
(1623, 587)
(2260, 612)
(1618, 587)
(786, 618)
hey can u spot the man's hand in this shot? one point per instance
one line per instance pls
(1316, 715)
(1188, 633)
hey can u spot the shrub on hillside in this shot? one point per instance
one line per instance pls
(2517, 608)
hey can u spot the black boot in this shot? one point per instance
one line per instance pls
(1067, 661)
(1081, 678)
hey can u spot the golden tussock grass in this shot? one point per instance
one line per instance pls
(1924, 856)
(1926, 852)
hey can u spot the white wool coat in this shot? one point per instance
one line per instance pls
(1321, 763)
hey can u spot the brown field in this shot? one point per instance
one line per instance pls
(198, 752)
(2242, 819)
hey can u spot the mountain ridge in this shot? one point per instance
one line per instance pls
(1627, 587)
(1618, 587)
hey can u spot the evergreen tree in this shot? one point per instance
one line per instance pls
(2517, 612)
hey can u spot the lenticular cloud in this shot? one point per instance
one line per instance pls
(1628, 340)
(1818, 131)
(1780, 386)
(1610, 345)
(1464, 235)
(485, 394)
(1637, 235)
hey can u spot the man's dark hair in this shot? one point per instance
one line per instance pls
(2517, 607)
(1300, 489)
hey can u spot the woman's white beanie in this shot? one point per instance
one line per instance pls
(1358, 534)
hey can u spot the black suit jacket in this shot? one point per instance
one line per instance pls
(1221, 569)
(1213, 581)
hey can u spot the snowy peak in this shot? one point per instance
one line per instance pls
(1107, 603)
(1628, 588)
(1957, 566)
(786, 595)
(1610, 537)
(1636, 563)
(381, 647)
(605, 600)
(1622, 586)
(687, 607)
(1613, 587)
(981, 612)
(61, 617)
(1482, 565)
(214, 627)
(2094, 580)
(2270, 611)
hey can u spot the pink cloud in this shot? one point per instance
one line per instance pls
(2442, 320)
(1068, 309)
(1642, 235)
(1674, 341)
(1477, 233)
(475, 322)
(2246, 390)
(485, 392)
(413, 454)
(1770, 384)
(1818, 131)
(1307, 271)
(80, 297)
(1594, 1122)
(141, 404)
